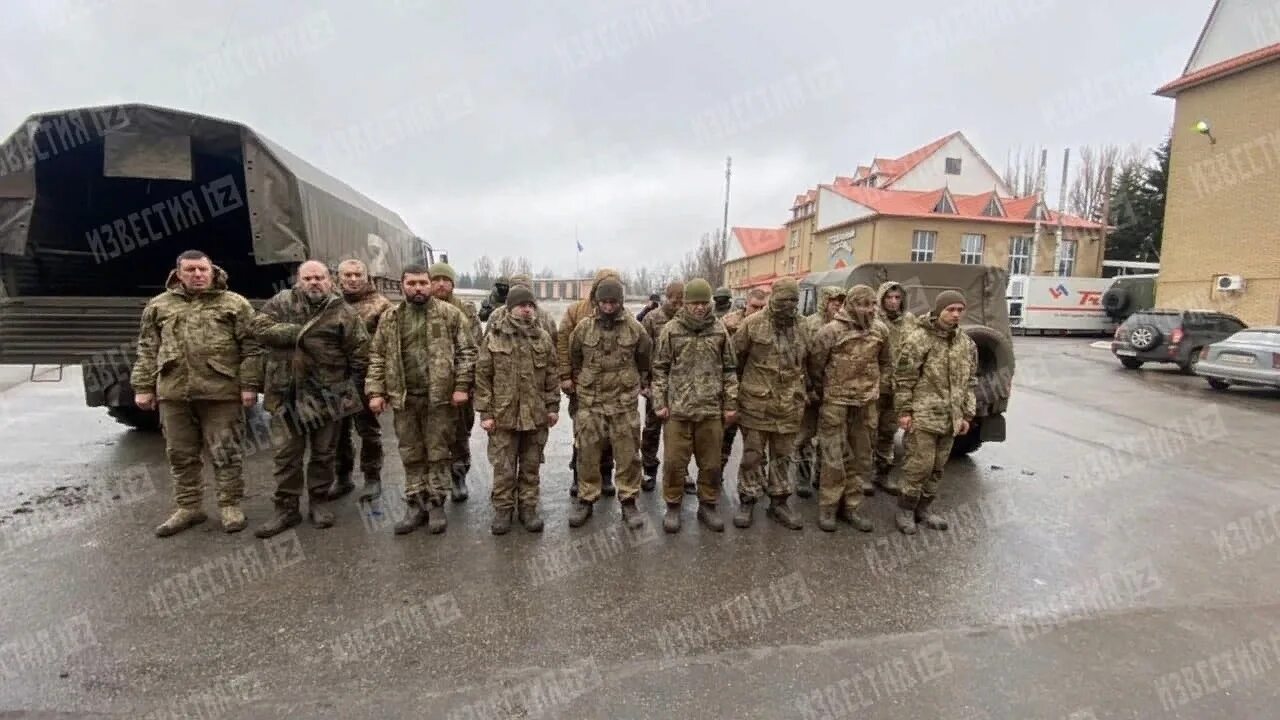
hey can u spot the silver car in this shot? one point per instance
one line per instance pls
(1250, 357)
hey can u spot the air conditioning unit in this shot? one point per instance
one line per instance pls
(1229, 283)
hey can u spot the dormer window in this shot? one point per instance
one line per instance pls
(945, 205)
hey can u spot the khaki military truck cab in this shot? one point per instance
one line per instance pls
(986, 321)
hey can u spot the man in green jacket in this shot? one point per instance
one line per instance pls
(891, 301)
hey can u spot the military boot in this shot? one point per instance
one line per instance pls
(341, 486)
(631, 514)
(437, 522)
(501, 521)
(827, 518)
(320, 518)
(372, 490)
(415, 515)
(805, 472)
(671, 521)
(742, 518)
(933, 521)
(580, 513)
(888, 482)
(180, 520)
(707, 516)
(650, 479)
(573, 467)
(233, 519)
(459, 473)
(868, 487)
(690, 486)
(860, 522)
(286, 516)
(782, 513)
(530, 518)
(906, 517)
(607, 488)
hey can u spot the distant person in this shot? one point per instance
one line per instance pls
(724, 301)
(495, 299)
(199, 363)
(654, 301)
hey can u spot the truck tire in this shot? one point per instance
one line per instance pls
(967, 443)
(1115, 301)
(995, 368)
(136, 418)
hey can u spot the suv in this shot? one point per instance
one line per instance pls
(1171, 336)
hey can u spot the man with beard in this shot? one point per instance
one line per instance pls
(653, 324)
(772, 389)
(422, 364)
(724, 302)
(756, 300)
(572, 316)
(848, 357)
(830, 300)
(319, 349)
(496, 298)
(609, 360)
(442, 280)
(369, 304)
(695, 393)
(518, 398)
(890, 308)
(934, 397)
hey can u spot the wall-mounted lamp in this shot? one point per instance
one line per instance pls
(1202, 127)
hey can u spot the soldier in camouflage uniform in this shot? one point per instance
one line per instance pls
(198, 359)
(772, 347)
(518, 398)
(496, 298)
(830, 301)
(891, 300)
(652, 436)
(442, 279)
(358, 290)
(847, 359)
(422, 364)
(934, 398)
(572, 316)
(609, 359)
(542, 317)
(319, 348)
(756, 300)
(695, 394)
(724, 302)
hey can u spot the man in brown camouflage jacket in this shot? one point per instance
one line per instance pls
(443, 278)
(891, 308)
(652, 435)
(757, 298)
(572, 316)
(830, 301)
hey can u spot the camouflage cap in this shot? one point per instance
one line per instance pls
(442, 270)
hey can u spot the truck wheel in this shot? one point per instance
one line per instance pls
(968, 442)
(1115, 301)
(995, 368)
(136, 418)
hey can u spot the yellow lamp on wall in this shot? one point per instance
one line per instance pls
(1202, 127)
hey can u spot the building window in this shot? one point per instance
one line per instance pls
(1020, 255)
(994, 208)
(971, 249)
(1067, 258)
(945, 205)
(953, 166)
(923, 245)
(795, 237)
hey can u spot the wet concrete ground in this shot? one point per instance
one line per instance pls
(1114, 559)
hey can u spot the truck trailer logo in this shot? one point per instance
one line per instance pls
(1059, 292)
(1090, 297)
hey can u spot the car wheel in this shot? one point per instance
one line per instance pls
(1131, 363)
(1218, 384)
(1144, 337)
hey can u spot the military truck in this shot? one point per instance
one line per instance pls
(96, 203)
(986, 320)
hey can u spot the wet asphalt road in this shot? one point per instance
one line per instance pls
(1114, 559)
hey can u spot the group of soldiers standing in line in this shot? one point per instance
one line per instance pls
(330, 361)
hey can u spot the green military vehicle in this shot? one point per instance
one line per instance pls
(986, 321)
(96, 204)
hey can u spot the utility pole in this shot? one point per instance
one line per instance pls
(1106, 207)
(1062, 208)
(724, 229)
(1035, 238)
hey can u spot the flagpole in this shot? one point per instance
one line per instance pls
(577, 268)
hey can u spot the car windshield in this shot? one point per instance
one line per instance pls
(1256, 337)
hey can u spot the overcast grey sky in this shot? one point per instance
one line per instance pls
(492, 127)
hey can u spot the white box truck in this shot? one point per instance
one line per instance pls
(1048, 303)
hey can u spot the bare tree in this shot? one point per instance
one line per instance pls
(1089, 189)
(483, 274)
(705, 261)
(523, 266)
(507, 266)
(1021, 170)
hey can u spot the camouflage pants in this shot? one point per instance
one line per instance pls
(886, 428)
(461, 450)
(651, 437)
(685, 439)
(844, 434)
(291, 441)
(926, 456)
(190, 428)
(425, 434)
(366, 425)
(755, 475)
(516, 457)
(606, 457)
(808, 433)
(593, 431)
(726, 445)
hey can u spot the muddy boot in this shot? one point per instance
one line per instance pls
(415, 515)
(906, 517)
(578, 517)
(501, 524)
(631, 514)
(860, 522)
(650, 479)
(372, 490)
(233, 519)
(888, 482)
(180, 520)
(742, 518)
(827, 519)
(933, 521)
(341, 486)
(782, 513)
(437, 522)
(530, 519)
(320, 518)
(286, 516)
(671, 521)
(708, 516)
(459, 473)
(868, 487)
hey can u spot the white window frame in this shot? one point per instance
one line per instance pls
(795, 237)
(967, 255)
(924, 245)
(1020, 255)
(1066, 260)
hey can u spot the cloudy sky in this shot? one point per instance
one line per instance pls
(500, 127)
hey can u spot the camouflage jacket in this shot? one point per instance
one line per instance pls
(936, 377)
(369, 305)
(813, 323)
(450, 356)
(468, 310)
(694, 369)
(573, 316)
(516, 380)
(544, 320)
(609, 362)
(658, 319)
(897, 327)
(846, 362)
(197, 347)
(733, 321)
(773, 378)
(318, 353)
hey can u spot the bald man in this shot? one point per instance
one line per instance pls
(319, 348)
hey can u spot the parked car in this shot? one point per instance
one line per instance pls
(1250, 357)
(1171, 336)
